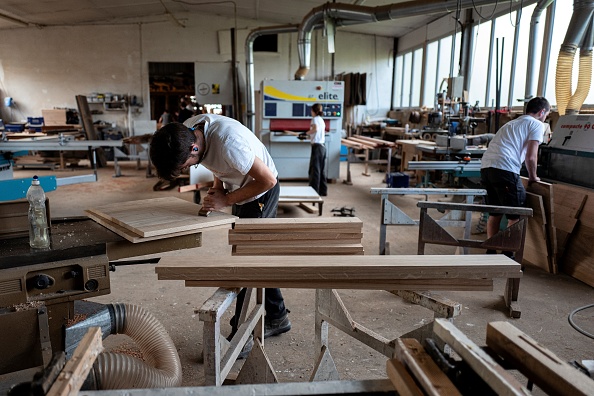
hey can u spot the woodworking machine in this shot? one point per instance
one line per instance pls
(38, 289)
(569, 156)
(287, 106)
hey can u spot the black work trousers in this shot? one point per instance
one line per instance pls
(317, 161)
(263, 207)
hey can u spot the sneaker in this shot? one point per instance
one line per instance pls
(247, 348)
(278, 326)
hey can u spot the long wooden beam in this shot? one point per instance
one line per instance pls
(336, 268)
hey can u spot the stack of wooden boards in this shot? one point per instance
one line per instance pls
(299, 236)
(561, 230)
(414, 372)
(157, 218)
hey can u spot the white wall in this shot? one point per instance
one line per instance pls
(46, 68)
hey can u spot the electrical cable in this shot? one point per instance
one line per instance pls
(479, 14)
(574, 325)
(519, 17)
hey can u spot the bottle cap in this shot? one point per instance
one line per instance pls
(35, 181)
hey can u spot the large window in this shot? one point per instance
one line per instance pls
(430, 75)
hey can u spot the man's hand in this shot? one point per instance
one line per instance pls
(302, 136)
(216, 199)
(535, 180)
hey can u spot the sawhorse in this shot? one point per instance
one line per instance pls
(392, 215)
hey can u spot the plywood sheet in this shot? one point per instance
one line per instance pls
(158, 216)
(536, 250)
(281, 224)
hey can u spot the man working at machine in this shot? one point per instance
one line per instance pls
(244, 176)
(515, 142)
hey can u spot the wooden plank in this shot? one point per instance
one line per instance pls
(159, 216)
(440, 305)
(578, 261)
(501, 381)
(299, 223)
(125, 233)
(185, 267)
(77, 368)
(401, 379)
(376, 141)
(298, 249)
(539, 364)
(433, 381)
(536, 248)
(359, 284)
(355, 228)
(546, 191)
(299, 239)
(298, 192)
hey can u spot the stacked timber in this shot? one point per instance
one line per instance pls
(414, 371)
(366, 142)
(301, 236)
(561, 230)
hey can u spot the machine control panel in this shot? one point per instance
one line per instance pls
(301, 110)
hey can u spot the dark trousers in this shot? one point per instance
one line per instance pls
(317, 161)
(263, 207)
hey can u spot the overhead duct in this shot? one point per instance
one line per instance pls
(347, 14)
(531, 67)
(344, 15)
(249, 65)
(579, 33)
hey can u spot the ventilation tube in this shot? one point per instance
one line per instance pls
(579, 32)
(585, 74)
(162, 368)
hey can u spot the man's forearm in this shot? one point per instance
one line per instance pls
(250, 190)
(531, 165)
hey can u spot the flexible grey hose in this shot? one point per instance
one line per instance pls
(162, 368)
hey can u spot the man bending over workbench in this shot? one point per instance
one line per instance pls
(245, 178)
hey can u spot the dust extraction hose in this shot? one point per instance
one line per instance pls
(162, 368)
(563, 79)
(583, 86)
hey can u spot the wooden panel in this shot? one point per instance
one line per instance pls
(536, 251)
(536, 362)
(361, 284)
(159, 216)
(546, 191)
(296, 249)
(292, 237)
(350, 223)
(186, 267)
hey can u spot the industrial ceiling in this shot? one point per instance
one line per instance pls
(41, 13)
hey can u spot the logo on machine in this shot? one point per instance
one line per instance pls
(327, 96)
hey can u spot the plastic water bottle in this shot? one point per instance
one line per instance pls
(38, 230)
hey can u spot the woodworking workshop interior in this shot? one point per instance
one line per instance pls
(296, 197)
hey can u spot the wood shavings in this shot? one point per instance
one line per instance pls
(77, 318)
(28, 305)
(130, 350)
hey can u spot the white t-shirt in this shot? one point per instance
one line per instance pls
(507, 150)
(320, 135)
(231, 150)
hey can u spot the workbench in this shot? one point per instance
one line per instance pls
(301, 195)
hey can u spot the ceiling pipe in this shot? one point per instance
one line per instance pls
(533, 35)
(348, 14)
(249, 65)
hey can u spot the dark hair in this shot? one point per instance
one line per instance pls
(537, 104)
(170, 149)
(317, 109)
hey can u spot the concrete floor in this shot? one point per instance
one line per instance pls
(546, 300)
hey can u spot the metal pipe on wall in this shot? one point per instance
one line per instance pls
(546, 50)
(531, 61)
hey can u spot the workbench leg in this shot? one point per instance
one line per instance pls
(383, 226)
(468, 220)
(211, 344)
(321, 326)
(366, 172)
(512, 288)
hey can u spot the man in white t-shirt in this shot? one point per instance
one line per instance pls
(515, 143)
(245, 178)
